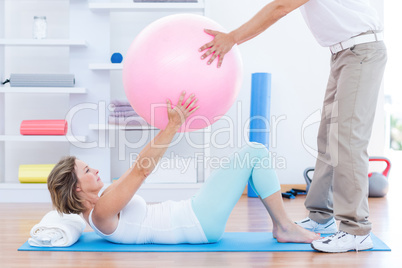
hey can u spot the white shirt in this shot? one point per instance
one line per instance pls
(334, 21)
(168, 222)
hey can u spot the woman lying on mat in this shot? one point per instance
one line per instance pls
(120, 216)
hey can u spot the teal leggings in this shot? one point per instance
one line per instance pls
(217, 197)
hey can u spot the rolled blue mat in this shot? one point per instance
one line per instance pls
(260, 112)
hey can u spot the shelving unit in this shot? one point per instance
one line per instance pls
(2, 99)
(38, 138)
(42, 42)
(10, 188)
(88, 45)
(119, 127)
(12, 192)
(146, 7)
(106, 66)
(44, 90)
(164, 191)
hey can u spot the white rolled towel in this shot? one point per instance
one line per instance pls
(55, 230)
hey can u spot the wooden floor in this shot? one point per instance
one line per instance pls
(249, 215)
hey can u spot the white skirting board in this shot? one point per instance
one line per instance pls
(38, 193)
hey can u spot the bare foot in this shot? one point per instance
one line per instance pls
(294, 233)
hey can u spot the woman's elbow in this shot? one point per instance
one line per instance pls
(141, 172)
(143, 166)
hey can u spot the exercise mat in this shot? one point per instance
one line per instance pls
(236, 241)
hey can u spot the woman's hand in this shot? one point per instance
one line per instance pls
(218, 47)
(184, 108)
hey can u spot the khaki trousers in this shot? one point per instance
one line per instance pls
(340, 184)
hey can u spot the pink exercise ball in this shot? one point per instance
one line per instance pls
(164, 60)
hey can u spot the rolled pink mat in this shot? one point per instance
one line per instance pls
(43, 127)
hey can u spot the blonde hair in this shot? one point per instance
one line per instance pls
(62, 182)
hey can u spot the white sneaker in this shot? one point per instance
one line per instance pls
(326, 228)
(342, 242)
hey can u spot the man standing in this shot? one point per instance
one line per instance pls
(353, 32)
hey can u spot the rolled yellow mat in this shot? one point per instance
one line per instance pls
(34, 173)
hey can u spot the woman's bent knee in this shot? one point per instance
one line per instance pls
(255, 146)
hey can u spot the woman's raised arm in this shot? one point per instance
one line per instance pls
(116, 197)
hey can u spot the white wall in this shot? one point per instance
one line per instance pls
(393, 20)
(300, 69)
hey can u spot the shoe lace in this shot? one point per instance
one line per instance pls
(341, 233)
(337, 234)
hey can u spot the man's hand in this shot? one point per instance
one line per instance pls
(218, 47)
(268, 15)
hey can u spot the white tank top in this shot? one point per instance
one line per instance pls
(168, 222)
(334, 21)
